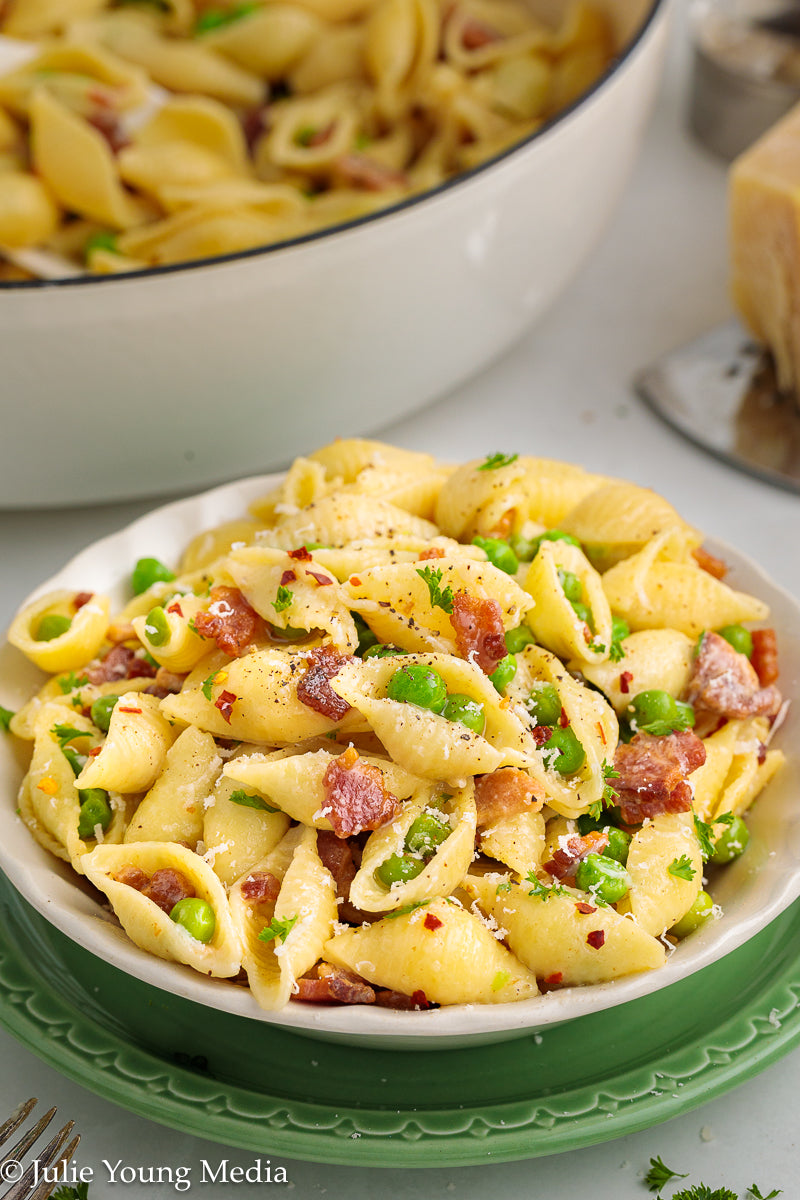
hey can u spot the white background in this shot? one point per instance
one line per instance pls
(658, 278)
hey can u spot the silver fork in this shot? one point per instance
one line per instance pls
(28, 1183)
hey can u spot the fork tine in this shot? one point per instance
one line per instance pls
(21, 1189)
(24, 1144)
(15, 1120)
(44, 1187)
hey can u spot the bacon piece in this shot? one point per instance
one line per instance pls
(584, 909)
(541, 734)
(176, 608)
(356, 796)
(167, 683)
(596, 938)
(361, 171)
(80, 599)
(764, 659)
(400, 1002)
(230, 621)
(314, 689)
(566, 858)
(653, 774)
(337, 856)
(504, 793)
(431, 552)
(109, 125)
(255, 122)
(121, 662)
(260, 886)
(165, 887)
(475, 34)
(710, 563)
(334, 986)
(724, 681)
(479, 630)
(132, 877)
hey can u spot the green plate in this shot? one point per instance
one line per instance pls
(245, 1084)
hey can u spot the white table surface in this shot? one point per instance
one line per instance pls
(658, 278)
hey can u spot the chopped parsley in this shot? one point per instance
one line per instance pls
(240, 796)
(541, 889)
(615, 652)
(609, 796)
(702, 1192)
(283, 600)
(67, 733)
(208, 683)
(704, 831)
(406, 909)
(681, 868)
(500, 980)
(660, 1174)
(68, 683)
(756, 1194)
(503, 887)
(494, 461)
(278, 928)
(5, 718)
(440, 598)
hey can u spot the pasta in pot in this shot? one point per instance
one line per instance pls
(398, 768)
(144, 134)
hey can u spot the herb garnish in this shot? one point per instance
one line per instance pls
(240, 796)
(494, 461)
(278, 928)
(681, 868)
(283, 600)
(440, 598)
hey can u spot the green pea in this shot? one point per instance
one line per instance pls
(95, 810)
(147, 572)
(604, 877)
(379, 651)
(463, 708)
(583, 613)
(697, 915)
(76, 761)
(738, 637)
(620, 629)
(731, 843)
(504, 672)
(399, 868)
(554, 535)
(524, 548)
(196, 916)
(156, 626)
(571, 754)
(608, 822)
(425, 833)
(653, 707)
(619, 843)
(51, 626)
(571, 585)
(366, 638)
(518, 638)
(499, 554)
(416, 684)
(544, 703)
(101, 711)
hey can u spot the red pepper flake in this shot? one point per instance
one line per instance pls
(225, 702)
(287, 577)
(301, 554)
(432, 921)
(563, 720)
(625, 681)
(553, 980)
(82, 598)
(176, 608)
(94, 751)
(601, 731)
(585, 908)
(322, 580)
(420, 999)
(129, 710)
(596, 938)
(354, 579)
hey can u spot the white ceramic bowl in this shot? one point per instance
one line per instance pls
(181, 377)
(752, 891)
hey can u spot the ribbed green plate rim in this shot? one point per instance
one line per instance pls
(244, 1084)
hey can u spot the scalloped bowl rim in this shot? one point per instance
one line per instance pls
(753, 891)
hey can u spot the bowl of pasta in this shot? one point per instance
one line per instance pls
(312, 213)
(391, 752)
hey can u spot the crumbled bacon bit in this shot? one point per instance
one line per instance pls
(287, 577)
(504, 793)
(175, 608)
(475, 34)
(596, 938)
(432, 922)
(356, 796)
(653, 774)
(166, 887)
(585, 908)
(167, 683)
(541, 734)
(132, 877)
(314, 689)
(121, 662)
(400, 1002)
(420, 1000)
(710, 563)
(334, 986)
(431, 552)
(225, 702)
(566, 858)
(260, 886)
(724, 681)
(302, 554)
(230, 621)
(625, 680)
(80, 599)
(764, 659)
(479, 630)
(318, 577)
(361, 171)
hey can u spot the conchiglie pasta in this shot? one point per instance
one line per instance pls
(83, 630)
(666, 870)
(618, 519)
(135, 750)
(516, 840)
(651, 658)
(172, 810)
(554, 621)
(237, 833)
